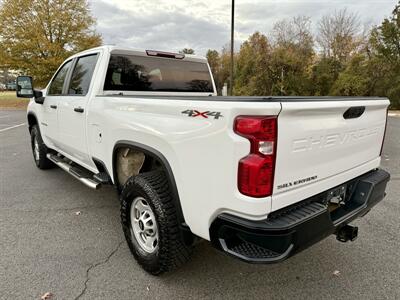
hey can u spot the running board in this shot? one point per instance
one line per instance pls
(74, 171)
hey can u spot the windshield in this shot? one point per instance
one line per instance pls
(141, 73)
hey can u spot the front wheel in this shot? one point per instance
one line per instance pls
(150, 223)
(39, 149)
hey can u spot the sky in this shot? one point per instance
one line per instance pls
(171, 25)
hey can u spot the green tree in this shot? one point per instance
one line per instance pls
(214, 60)
(354, 80)
(324, 74)
(385, 49)
(220, 66)
(252, 75)
(37, 35)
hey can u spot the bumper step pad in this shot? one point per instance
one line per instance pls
(256, 252)
(296, 227)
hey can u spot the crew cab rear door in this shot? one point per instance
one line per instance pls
(73, 109)
(323, 143)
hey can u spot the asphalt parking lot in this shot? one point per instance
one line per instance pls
(46, 246)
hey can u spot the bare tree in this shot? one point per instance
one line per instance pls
(338, 34)
(294, 31)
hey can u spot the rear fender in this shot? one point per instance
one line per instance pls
(155, 154)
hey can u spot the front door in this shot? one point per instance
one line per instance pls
(49, 120)
(72, 112)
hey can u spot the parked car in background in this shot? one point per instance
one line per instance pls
(11, 86)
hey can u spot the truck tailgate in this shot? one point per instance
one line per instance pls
(319, 142)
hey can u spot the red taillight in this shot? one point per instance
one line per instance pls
(256, 170)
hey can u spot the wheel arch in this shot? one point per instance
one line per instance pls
(32, 120)
(150, 152)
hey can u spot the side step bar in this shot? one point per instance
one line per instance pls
(74, 171)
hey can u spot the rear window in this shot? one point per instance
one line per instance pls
(141, 73)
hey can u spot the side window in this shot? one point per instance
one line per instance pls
(82, 75)
(56, 86)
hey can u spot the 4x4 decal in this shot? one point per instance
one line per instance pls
(205, 114)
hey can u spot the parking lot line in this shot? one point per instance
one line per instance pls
(6, 116)
(12, 127)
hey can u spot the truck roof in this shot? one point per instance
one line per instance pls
(134, 51)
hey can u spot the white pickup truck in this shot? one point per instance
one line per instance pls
(262, 178)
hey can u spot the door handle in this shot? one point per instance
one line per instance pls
(354, 112)
(79, 109)
(53, 106)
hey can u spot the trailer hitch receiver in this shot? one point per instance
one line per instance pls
(347, 233)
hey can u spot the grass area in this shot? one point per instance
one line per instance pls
(8, 100)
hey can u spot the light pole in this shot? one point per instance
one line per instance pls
(232, 46)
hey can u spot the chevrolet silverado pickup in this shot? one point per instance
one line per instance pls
(261, 178)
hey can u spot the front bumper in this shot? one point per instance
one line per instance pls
(296, 227)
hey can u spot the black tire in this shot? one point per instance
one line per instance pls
(172, 251)
(40, 159)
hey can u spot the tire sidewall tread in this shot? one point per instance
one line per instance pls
(43, 162)
(172, 251)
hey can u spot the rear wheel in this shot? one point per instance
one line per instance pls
(150, 223)
(39, 149)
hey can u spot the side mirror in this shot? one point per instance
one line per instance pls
(38, 97)
(25, 89)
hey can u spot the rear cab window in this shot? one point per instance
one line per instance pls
(141, 73)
